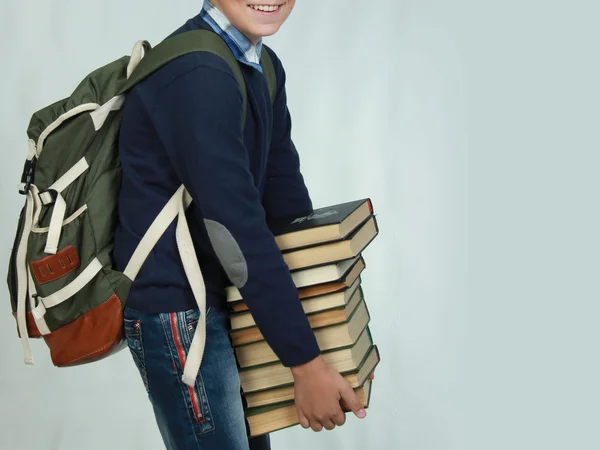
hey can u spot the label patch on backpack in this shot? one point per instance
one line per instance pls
(53, 267)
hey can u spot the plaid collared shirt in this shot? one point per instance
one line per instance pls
(242, 48)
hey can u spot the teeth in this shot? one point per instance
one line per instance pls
(265, 8)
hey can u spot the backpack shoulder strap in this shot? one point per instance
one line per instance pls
(269, 71)
(182, 44)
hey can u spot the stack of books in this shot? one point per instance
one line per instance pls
(324, 253)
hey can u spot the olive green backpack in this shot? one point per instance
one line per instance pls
(61, 279)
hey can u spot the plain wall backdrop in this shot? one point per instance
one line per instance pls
(470, 124)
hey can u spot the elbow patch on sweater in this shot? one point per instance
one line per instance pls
(229, 253)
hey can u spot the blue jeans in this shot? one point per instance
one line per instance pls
(209, 416)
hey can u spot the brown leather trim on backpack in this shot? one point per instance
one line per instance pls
(53, 267)
(89, 338)
(32, 328)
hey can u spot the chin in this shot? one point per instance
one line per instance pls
(266, 30)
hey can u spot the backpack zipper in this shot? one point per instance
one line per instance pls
(13, 257)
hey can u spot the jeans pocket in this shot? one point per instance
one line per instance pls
(192, 317)
(133, 334)
(183, 325)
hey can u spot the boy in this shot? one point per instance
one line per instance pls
(182, 125)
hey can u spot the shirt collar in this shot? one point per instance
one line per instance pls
(242, 48)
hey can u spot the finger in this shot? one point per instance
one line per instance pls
(316, 426)
(352, 403)
(339, 419)
(302, 419)
(372, 376)
(304, 422)
(328, 425)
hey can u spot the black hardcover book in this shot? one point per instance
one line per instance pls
(321, 225)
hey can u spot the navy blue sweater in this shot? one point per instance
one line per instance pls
(183, 125)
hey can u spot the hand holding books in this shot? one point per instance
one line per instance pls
(318, 390)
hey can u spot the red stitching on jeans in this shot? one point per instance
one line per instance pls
(194, 398)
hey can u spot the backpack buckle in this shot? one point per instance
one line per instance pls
(27, 177)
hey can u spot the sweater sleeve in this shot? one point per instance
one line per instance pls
(198, 117)
(285, 191)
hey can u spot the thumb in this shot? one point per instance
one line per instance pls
(350, 400)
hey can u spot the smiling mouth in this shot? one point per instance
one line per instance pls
(266, 8)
